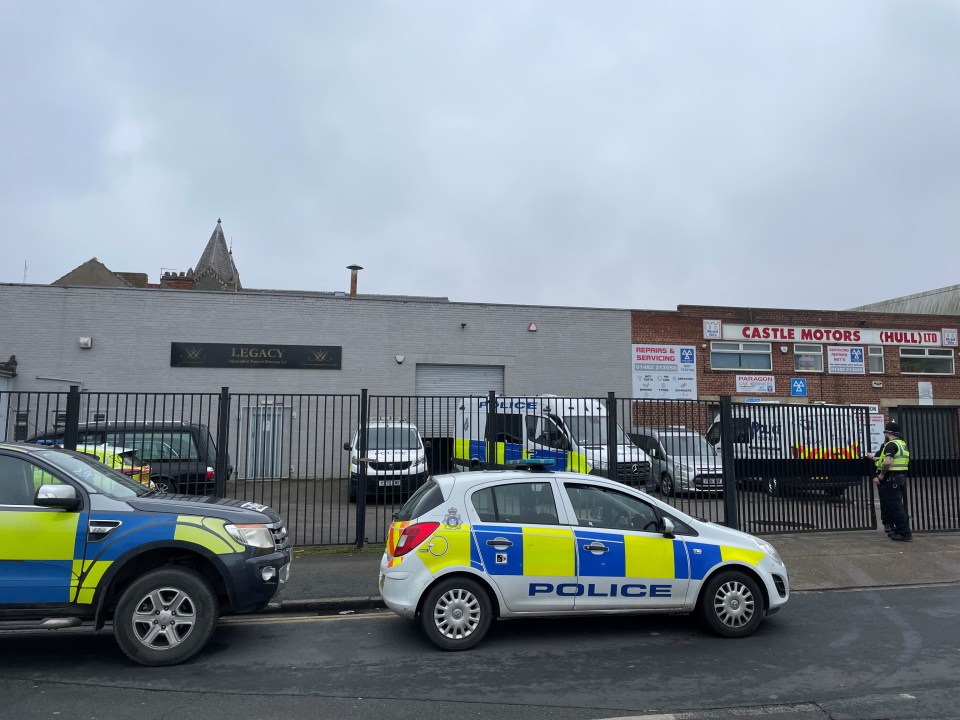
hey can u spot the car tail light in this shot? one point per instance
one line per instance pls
(413, 535)
(209, 473)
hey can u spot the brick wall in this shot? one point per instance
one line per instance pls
(685, 326)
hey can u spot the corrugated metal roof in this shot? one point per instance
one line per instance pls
(944, 301)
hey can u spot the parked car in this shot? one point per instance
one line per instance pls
(468, 548)
(395, 459)
(681, 460)
(182, 456)
(85, 544)
(123, 459)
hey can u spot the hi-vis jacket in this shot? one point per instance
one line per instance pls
(901, 459)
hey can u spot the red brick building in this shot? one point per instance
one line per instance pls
(856, 356)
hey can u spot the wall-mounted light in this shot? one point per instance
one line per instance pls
(86, 342)
(877, 383)
(532, 327)
(399, 359)
(783, 349)
(462, 325)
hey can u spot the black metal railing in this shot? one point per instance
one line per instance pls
(765, 468)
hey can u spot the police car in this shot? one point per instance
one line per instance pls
(83, 543)
(470, 547)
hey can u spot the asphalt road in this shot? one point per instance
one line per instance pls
(879, 653)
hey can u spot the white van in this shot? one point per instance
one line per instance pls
(794, 432)
(570, 431)
(395, 459)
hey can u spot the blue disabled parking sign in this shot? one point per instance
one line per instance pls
(798, 387)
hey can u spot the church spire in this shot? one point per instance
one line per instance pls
(215, 269)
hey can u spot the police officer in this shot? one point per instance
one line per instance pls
(892, 463)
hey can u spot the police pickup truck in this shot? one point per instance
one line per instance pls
(83, 543)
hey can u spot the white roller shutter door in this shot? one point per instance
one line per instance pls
(462, 380)
(439, 388)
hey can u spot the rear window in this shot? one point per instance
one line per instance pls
(158, 446)
(426, 498)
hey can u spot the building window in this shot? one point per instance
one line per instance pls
(808, 358)
(926, 361)
(740, 356)
(875, 355)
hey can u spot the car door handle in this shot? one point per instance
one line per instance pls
(499, 543)
(596, 547)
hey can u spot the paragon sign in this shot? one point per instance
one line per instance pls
(255, 355)
(853, 336)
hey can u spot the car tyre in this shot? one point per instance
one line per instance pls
(731, 604)
(164, 485)
(666, 485)
(165, 617)
(456, 613)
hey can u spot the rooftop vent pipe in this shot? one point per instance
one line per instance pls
(354, 269)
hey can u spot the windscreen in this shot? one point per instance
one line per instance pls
(590, 430)
(392, 438)
(95, 474)
(687, 446)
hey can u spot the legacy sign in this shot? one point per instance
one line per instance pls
(255, 355)
(852, 336)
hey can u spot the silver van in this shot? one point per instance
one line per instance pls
(681, 460)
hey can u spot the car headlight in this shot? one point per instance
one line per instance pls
(421, 462)
(685, 469)
(769, 550)
(254, 535)
(354, 461)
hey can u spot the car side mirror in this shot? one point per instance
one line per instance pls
(346, 446)
(426, 445)
(667, 527)
(57, 496)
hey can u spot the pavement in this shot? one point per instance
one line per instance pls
(343, 580)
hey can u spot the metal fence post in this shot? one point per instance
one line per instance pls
(490, 434)
(613, 467)
(362, 468)
(731, 518)
(223, 443)
(72, 421)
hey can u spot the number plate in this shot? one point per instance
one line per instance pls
(389, 483)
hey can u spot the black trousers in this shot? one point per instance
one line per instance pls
(892, 510)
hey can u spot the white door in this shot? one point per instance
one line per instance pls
(264, 443)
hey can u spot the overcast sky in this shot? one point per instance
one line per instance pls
(606, 154)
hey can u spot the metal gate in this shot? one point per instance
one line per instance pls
(932, 434)
(287, 451)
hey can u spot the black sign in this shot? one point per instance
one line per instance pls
(255, 355)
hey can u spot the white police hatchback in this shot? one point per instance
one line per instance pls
(469, 547)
